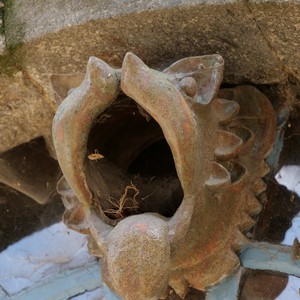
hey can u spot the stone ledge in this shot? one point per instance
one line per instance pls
(38, 18)
(258, 40)
(2, 36)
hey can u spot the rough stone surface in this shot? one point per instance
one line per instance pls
(159, 37)
(24, 114)
(2, 37)
(279, 24)
(2, 44)
(257, 39)
(59, 14)
(139, 257)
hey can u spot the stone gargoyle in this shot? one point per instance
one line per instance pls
(160, 231)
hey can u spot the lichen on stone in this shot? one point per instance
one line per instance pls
(11, 61)
(2, 32)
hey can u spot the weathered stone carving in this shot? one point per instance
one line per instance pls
(218, 139)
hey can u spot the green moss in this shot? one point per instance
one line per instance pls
(2, 31)
(11, 62)
(14, 32)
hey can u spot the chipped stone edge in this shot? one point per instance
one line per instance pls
(2, 36)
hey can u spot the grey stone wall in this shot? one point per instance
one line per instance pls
(54, 39)
(2, 36)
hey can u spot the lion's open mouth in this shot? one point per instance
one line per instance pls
(130, 167)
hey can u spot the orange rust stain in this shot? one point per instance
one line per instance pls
(235, 188)
(142, 227)
(187, 128)
(212, 245)
(60, 134)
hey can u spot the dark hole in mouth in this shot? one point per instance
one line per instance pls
(130, 167)
(154, 160)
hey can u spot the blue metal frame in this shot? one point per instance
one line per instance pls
(265, 256)
(258, 256)
(62, 286)
(228, 289)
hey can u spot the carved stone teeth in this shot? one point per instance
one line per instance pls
(219, 177)
(76, 219)
(227, 94)
(252, 205)
(229, 145)
(194, 277)
(256, 113)
(239, 240)
(180, 286)
(238, 173)
(258, 186)
(93, 247)
(225, 110)
(246, 222)
(246, 135)
(264, 168)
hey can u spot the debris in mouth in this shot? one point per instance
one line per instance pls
(126, 205)
(95, 156)
(130, 165)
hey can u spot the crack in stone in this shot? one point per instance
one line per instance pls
(2, 30)
(3, 291)
(83, 292)
(285, 69)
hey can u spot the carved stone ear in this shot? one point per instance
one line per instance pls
(199, 76)
(63, 84)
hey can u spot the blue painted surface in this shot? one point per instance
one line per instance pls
(63, 286)
(265, 256)
(282, 118)
(259, 256)
(227, 290)
(3, 295)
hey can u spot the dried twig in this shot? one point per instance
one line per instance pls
(121, 206)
